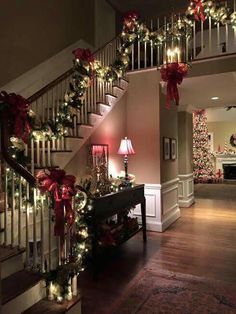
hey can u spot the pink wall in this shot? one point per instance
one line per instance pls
(143, 125)
(110, 132)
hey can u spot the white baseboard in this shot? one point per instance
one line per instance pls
(33, 80)
(162, 207)
(186, 190)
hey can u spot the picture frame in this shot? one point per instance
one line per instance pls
(99, 154)
(166, 148)
(173, 149)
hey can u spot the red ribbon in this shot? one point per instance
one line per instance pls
(129, 20)
(198, 10)
(173, 74)
(17, 109)
(219, 174)
(62, 188)
(84, 55)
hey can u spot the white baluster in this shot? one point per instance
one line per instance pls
(210, 35)
(227, 37)
(27, 223)
(194, 39)
(35, 253)
(138, 54)
(202, 37)
(19, 212)
(13, 203)
(43, 153)
(49, 235)
(7, 173)
(42, 233)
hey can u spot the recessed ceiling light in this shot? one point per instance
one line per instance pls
(214, 98)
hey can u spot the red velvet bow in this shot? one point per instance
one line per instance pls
(62, 188)
(17, 109)
(173, 74)
(84, 55)
(198, 10)
(129, 20)
(131, 15)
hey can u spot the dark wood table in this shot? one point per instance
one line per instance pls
(114, 204)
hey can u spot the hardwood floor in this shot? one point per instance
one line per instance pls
(202, 243)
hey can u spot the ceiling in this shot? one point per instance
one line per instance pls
(197, 91)
(148, 8)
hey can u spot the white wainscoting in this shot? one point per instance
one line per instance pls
(161, 205)
(186, 190)
(153, 206)
(170, 206)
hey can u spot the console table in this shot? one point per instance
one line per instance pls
(113, 204)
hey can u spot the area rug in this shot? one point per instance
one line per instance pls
(152, 292)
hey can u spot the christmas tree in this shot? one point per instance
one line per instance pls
(203, 169)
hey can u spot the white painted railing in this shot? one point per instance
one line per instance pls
(207, 40)
(28, 216)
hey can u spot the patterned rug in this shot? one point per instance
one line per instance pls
(153, 292)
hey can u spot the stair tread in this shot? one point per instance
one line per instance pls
(51, 307)
(18, 283)
(74, 136)
(87, 125)
(96, 113)
(111, 95)
(117, 86)
(7, 252)
(103, 103)
(124, 79)
(61, 151)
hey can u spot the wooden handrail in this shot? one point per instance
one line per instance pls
(61, 78)
(5, 153)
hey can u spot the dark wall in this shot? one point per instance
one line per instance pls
(32, 31)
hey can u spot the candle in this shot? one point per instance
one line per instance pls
(69, 293)
(50, 291)
(74, 285)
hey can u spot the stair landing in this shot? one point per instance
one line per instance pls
(51, 307)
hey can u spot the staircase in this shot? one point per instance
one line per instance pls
(28, 247)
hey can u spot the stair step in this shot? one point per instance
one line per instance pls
(46, 167)
(61, 151)
(18, 283)
(50, 307)
(7, 252)
(74, 136)
(119, 87)
(111, 95)
(90, 126)
(103, 104)
(95, 113)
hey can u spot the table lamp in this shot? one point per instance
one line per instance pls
(126, 149)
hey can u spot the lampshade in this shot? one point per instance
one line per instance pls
(126, 147)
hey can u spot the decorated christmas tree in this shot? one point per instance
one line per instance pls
(203, 169)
